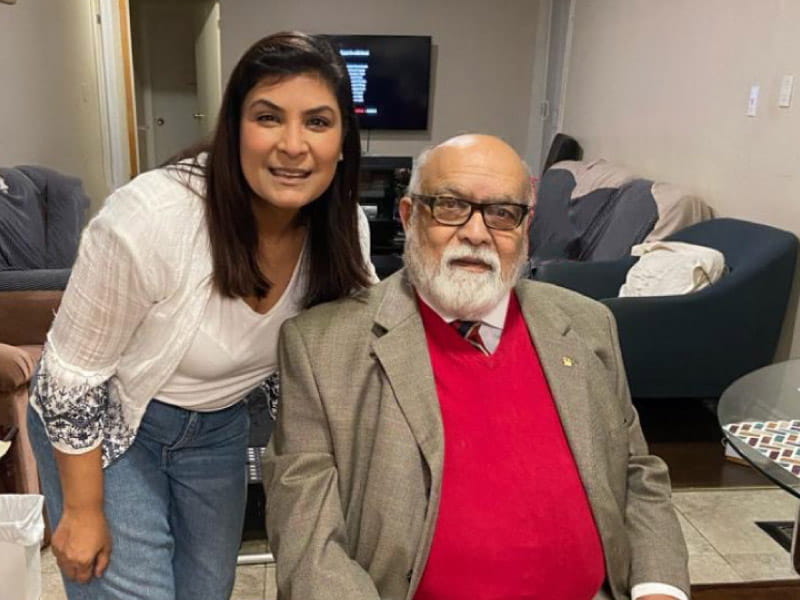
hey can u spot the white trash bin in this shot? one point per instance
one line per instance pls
(21, 532)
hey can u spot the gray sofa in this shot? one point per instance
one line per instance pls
(596, 211)
(42, 214)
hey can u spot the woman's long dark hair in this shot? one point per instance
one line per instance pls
(335, 261)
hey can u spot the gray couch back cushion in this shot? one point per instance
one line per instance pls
(42, 214)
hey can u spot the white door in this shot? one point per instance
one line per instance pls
(209, 71)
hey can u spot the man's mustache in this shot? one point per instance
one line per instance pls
(469, 253)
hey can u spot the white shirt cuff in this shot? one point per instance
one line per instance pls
(643, 589)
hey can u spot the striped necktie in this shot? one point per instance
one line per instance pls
(469, 330)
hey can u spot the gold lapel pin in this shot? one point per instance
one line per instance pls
(567, 361)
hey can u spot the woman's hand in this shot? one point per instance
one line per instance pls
(82, 541)
(82, 544)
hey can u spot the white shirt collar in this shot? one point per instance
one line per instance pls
(494, 318)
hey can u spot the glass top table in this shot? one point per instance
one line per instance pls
(760, 416)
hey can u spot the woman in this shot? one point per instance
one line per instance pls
(171, 317)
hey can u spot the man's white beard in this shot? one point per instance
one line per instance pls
(459, 292)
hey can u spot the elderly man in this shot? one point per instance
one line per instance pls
(453, 433)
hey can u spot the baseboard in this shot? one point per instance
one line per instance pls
(757, 590)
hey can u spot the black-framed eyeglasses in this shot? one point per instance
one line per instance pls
(453, 211)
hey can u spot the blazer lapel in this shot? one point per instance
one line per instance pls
(401, 349)
(564, 358)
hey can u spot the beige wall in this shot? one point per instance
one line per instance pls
(663, 87)
(482, 56)
(481, 80)
(49, 109)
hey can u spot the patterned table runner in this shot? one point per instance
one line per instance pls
(777, 440)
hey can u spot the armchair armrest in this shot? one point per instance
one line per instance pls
(16, 368)
(596, 279)
(25, 316)
(691, 346)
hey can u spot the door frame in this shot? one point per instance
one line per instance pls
(114, 66)
(541, 106)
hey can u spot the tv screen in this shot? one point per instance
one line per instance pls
(390, 75)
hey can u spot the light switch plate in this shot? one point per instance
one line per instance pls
(752, 102)
(785, 96)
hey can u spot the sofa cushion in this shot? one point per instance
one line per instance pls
(594, 211)
(65, 204)
(552, 235)
(574, 199)
(677, 209)
(22, 223)
(632, 212)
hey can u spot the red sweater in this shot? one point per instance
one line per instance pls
(514, 520)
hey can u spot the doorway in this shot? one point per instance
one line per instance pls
(559, 44)
(554, 40)
(177, 75)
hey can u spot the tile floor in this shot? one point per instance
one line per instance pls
(725, 545)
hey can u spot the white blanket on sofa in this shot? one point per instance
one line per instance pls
(670, 268)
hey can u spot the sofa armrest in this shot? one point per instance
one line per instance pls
(596, 279)
(25, 317)
(16, 368)
(34, 279)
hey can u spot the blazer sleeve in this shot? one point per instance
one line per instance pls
(658, 550)
(305, 519)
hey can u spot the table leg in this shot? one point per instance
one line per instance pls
(796, 543)
(263, 558)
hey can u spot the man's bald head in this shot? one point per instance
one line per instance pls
(471, 153)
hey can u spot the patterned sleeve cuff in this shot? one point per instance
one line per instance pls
(72, 416)
(266, 395)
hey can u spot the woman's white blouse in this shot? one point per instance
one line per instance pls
(233, 350)
(134, 301)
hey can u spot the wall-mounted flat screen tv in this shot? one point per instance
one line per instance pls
(390, 75)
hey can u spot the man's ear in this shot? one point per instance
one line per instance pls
(529, 220)
(405, 209)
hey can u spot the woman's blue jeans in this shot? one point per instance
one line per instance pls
(174, 502)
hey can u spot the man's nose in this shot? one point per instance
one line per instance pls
(292, 141)
(474, 231)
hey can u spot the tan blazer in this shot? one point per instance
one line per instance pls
(354, 468)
